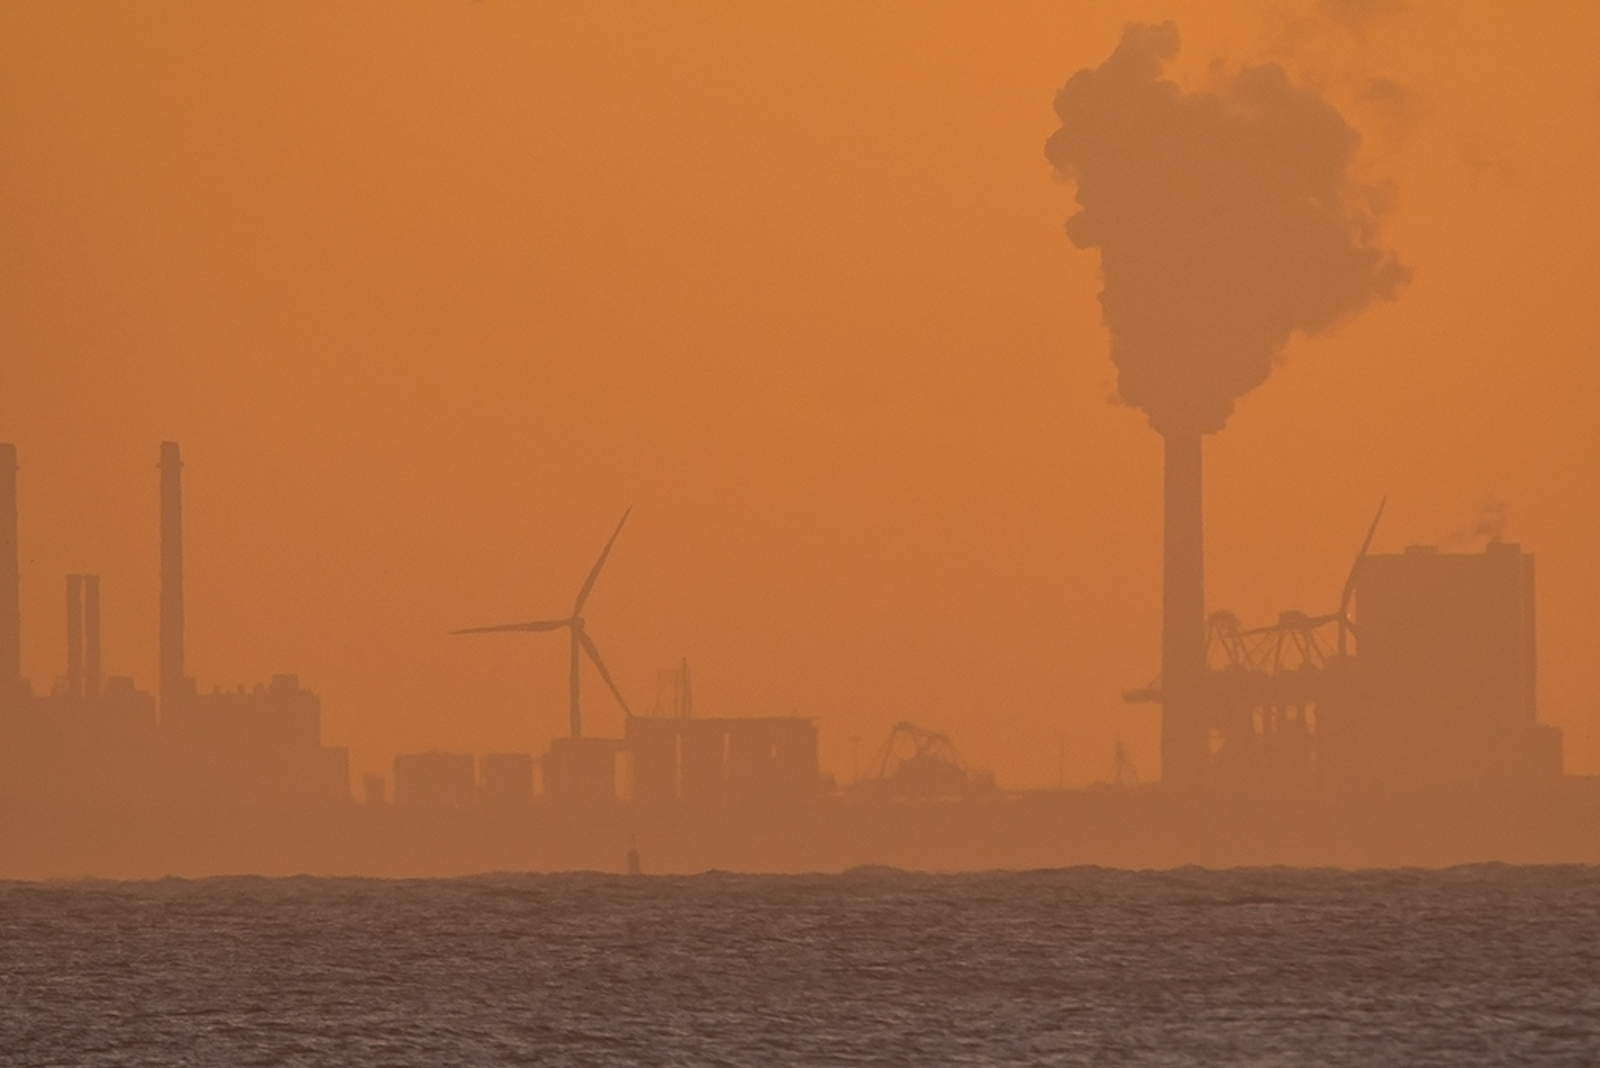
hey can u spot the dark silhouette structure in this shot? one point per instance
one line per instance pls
(173, 685)
(675, 756)
(577, 769)
(1450, 640)
(1425, 675)
(1183, 620)
(83, 678)
(259, 746)
(1227, 220)
(916, 764)
(1262, 692)
(1416, 696)
(98, 741)
(711, 760)
(92, 741)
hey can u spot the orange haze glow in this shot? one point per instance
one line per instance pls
(431, 293)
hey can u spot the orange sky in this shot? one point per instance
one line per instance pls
(430, 293)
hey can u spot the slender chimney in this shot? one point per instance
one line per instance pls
(91, 635)
(172, 682)
(74, 635)
(10, 580)
(1183, 623)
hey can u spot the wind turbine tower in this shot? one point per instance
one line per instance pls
(576, 768)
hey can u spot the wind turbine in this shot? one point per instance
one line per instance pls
(1345, 625)
(580, 638)
(1304, 624)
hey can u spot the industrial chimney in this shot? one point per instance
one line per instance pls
(74, 635)
(174, 685)
(11, 684)
(83, 636)
(1183, 621)
(91, 635)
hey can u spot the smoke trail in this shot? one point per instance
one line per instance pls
(1226, 220)
(1490, 526)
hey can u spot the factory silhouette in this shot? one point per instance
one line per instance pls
(94, 740)
(1401, 725)
(1396, 724)
(99, 742)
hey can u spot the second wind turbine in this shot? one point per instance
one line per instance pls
(580, 638)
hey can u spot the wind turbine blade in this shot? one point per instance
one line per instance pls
(594, 573)
(594, 655)
(1366, 543)
(543, 624)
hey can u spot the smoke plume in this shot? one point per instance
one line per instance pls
(1226, 220)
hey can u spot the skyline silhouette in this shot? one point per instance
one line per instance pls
(1122, 474)
(1428, 685)
(813, 315)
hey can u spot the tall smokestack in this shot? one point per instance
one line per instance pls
(75, 635)
(91, 635)
(1228, 220)
(173, 685)
(1183, 622)
(10, 580)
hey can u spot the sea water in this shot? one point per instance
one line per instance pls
(1483, 965)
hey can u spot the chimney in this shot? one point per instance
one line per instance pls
(74, 635)
(173, 684)
(11, 684)
(1184, 748)
(91, 635)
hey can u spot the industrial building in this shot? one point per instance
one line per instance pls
(675, 756)
(99, 741)
(917, 764)
(1425, 675)
(668, 755)
(756, 758)
(92, 740)
(1448, 642)
(260, 746)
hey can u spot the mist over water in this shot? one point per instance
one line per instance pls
(1483, 965)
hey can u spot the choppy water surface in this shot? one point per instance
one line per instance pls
(1470, 966)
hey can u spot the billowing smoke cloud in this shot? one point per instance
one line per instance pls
(1226, 220)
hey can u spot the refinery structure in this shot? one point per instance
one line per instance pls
(1397, 724)
(1424, 674)
(1417, 684)
(98, 741)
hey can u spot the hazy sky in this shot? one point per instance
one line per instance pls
(430, 293)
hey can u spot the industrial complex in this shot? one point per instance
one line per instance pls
(1418, 685)
(93, 740)
(99, 741)
(1424, 674)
